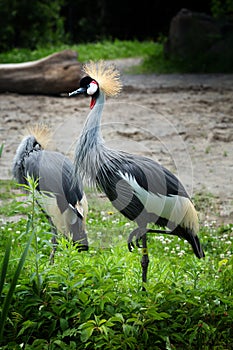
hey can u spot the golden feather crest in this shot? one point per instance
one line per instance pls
(107, 76)
(41, 132)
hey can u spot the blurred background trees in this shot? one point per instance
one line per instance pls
(41, 22)
(30, 23)
(197, 40)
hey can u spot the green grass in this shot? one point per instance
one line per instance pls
(90, 51)
(94, 300)
(151, 52)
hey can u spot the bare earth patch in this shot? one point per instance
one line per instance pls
(183, 121)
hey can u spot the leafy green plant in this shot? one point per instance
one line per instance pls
(222, 8)
(93, 300)
(9, 296)
(30, 229)
(42, 26)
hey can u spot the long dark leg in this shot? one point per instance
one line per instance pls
(145, 259)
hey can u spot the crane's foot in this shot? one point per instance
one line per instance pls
(139, 237)
(131, 245)
(138, 233)
(137, 242)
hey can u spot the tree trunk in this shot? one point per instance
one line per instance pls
(53, 75)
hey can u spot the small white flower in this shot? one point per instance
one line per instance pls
(180, 253)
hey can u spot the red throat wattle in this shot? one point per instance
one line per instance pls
(93, 101)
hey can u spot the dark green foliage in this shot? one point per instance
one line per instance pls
(203, 62)
(8, 298)
(93, 300)
(30, 23)
(222, 9)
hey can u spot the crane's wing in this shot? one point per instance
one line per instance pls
(141, 188)
(54, 172)
(153, 177)
(62, 198)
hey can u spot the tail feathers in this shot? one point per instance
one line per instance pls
(196, 245)
(192, 239)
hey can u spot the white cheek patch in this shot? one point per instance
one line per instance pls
(92, 88)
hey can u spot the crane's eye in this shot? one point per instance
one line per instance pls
(92, 88)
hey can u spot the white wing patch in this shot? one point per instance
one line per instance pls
(61, 221)
(174, 208)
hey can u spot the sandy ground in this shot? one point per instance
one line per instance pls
(183, 121)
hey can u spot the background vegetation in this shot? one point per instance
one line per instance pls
(50, 26)
(94, 300)
(42, 22)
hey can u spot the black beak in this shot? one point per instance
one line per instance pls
(79, 91)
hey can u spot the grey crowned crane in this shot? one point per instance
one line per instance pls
(64, 204)
(140, 188)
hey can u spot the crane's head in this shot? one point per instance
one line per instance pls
(28, 144)
(99, 77)
(36, 140)
(88, 87)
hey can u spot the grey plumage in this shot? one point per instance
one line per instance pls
(64, 203)
(140, 188)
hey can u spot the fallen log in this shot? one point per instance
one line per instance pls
(53, 75)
